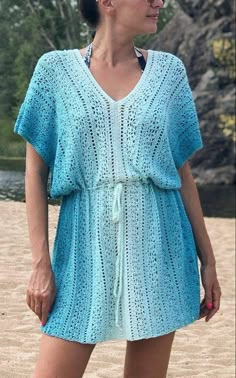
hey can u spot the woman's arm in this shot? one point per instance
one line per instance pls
(190, 197)
(41, 289)
(36, 178)
(189, 193)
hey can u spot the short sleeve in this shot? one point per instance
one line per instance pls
(36, 121)
(183, 129)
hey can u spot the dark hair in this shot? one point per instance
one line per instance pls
(90, 12)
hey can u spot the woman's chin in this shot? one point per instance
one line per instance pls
(148, 30)
(151, 30)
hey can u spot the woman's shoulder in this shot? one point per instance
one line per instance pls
(53, 60)
(167, 54)
(53, 56)
(49, 57)
(170, 59)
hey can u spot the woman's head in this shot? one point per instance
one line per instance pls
(131, 15)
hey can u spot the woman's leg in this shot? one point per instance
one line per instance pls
(148, 358)
(60, 358)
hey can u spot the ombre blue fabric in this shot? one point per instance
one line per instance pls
(124, 255)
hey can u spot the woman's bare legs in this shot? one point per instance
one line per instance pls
(148, 358)
(60, 358)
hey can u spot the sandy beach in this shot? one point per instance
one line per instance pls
(199, 350)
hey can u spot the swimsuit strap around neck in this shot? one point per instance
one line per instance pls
(140, 57)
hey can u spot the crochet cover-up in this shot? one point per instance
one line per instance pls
(124, 255)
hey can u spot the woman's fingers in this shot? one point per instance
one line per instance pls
(203, 310)
(209, 311)
(45, 310)
(208, 298)
(33, 301)
(211, 302)
(216, 294)
(37, 303)
(41, 293)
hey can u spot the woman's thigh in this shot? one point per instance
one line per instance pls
(59, 358)
(148, 358)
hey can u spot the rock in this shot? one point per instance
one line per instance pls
(201, 34)
(222, 175)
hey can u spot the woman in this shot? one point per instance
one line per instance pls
(115, 125)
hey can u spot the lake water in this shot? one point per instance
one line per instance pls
(216, 200)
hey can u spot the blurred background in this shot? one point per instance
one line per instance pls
(200, 32)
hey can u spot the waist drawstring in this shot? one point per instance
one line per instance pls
(117, 216)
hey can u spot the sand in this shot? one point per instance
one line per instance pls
(199, 350)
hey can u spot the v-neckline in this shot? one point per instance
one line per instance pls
(102, 91)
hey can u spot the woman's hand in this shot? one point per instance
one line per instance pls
(41, 292)
(211, 301)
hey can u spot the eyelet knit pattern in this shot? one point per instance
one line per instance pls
(124, 254)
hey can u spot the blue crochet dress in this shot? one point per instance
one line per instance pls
(124, 254)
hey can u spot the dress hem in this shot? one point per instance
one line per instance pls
(109, 338)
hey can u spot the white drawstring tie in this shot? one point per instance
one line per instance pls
(117, 216)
